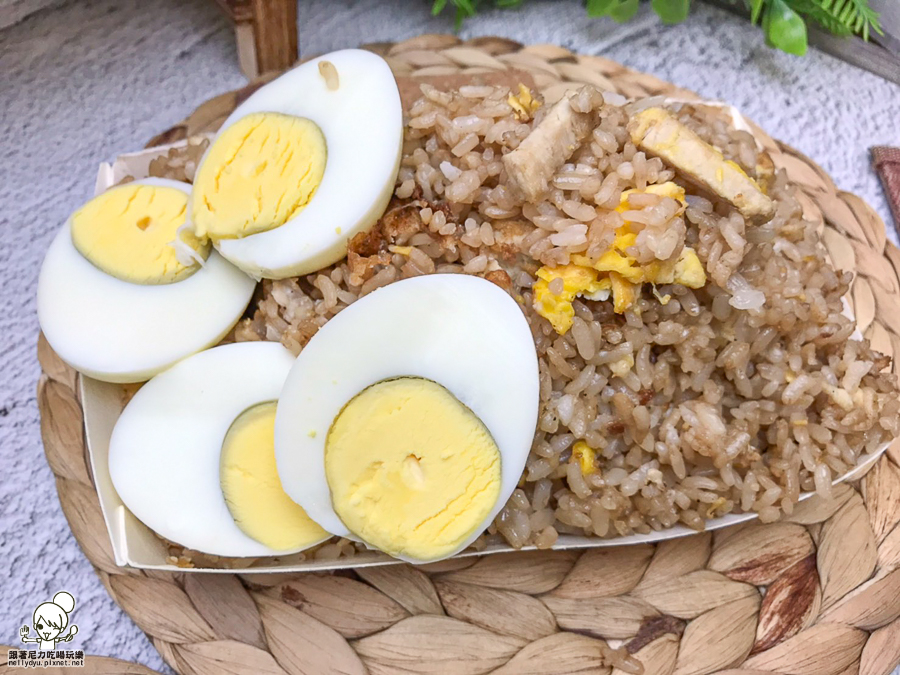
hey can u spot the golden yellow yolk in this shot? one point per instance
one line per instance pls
(128, 232)
(412, 471)
(261, 172)
(257, 502)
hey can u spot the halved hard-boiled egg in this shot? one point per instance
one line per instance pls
(193, 457)
(124, 292)
(301, 166)
(407, 419)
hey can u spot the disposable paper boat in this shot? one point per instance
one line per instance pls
(136, 545)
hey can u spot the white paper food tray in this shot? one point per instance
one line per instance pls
(135, 545)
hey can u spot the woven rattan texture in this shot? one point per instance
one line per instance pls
(818, 595)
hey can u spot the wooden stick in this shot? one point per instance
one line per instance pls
(268, 42)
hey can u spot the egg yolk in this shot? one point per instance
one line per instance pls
(257, 502)
(259, 173)
(412, 471)
(130, 231)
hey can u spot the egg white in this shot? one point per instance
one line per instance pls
(165, 450)
(118, 331)
(362, 122)
(462, 332)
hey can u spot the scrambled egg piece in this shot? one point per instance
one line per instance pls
(621, 367)
(624, 292)
(523, 103)
(577, 280)
(668, 189)
(715, 506)
(689, 270)
(663, 299)
(615, 271)
(585, 456)
(656, 131)
(615, 260)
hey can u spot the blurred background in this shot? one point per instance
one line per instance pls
(83, 80)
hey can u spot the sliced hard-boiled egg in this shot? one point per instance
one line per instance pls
(192, 455)
(124, 292)
(133, 233)
(301, 166)
(407, 419)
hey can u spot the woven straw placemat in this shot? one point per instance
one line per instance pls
(816, 595)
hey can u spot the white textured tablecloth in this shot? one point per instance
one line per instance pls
(81, 82)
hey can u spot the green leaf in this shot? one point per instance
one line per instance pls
(671, 11)
(784, 28)
(599, 8)
(618, 10)
(624, 10)
(464, 9)
(438, 7)
(847, 13)
(508, 4)
(840, 17)
(756, 8)
(467, 7)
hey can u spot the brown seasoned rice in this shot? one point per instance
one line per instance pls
(731, 398)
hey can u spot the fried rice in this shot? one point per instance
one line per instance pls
(734, 397)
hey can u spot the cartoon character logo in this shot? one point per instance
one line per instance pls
(50, 620)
